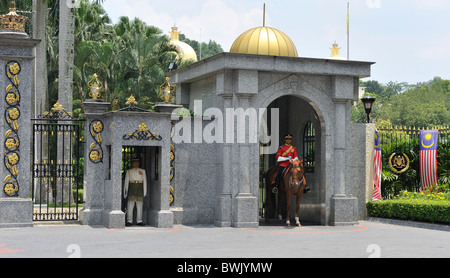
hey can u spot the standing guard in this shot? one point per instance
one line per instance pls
(135, 188)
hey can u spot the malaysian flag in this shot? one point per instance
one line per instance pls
(377, 169)
(428, 161)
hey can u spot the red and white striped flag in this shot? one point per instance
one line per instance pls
(377, 169)
(428, 161)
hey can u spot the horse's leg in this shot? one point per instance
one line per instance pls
(288, 206)
(279, 206)
(297, 208)
(268, 200)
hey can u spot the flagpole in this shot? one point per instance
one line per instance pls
(348, 30)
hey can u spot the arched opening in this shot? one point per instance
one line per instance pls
(299, 118)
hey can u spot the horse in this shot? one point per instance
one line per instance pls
(292, 183)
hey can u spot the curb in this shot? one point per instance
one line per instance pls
(414, 224)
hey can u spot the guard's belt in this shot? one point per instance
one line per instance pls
(137, 181)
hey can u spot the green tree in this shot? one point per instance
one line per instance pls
(422, 106)
(144, 59)
(207, 49)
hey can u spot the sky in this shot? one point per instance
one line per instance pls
(409, 40)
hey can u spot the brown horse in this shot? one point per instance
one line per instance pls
(292, 183)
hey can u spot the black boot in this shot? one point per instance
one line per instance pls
(275, 189)
(278, 180)
(307, 189)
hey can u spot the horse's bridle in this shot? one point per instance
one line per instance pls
(295, 178)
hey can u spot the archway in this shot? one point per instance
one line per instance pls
(299, 118)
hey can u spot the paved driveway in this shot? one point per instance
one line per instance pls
(368, 239)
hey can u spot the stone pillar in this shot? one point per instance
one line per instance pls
(343, 207)
(361, 164)
(16, 206)
(94, 179)
(223, 212)
(245, 205)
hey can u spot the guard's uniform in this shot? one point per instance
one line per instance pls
(286, 153)
(135, 188)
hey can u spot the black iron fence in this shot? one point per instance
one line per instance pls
(57, 166)
(400, 148)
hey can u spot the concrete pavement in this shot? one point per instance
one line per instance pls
(368, 239)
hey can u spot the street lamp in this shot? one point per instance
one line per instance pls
(368, 104)
(172, 66)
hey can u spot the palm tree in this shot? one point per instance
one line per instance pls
(144, 59)
(66, 50)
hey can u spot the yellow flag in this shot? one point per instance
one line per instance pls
(348, 12)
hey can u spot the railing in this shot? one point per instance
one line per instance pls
(405, 141)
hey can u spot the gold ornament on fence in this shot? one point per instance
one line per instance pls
(167, 91)
(399, 163)
(13, 21)
(95, 87)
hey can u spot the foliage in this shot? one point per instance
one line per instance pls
(422, 104)
(406, 140)
(433, 210)
(129, 57)
(207, 49)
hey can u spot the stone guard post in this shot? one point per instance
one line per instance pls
(106, 134)
(16, 206)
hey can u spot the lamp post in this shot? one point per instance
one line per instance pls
(368, 104)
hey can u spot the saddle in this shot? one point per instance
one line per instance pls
(283, 174)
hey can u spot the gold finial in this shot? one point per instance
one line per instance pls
(174, 34)
(12, 21)
(143, 127)
(95, 87)
(57, 107)
(167, 91)
(131, 100)
(335, 51)
(264, 15)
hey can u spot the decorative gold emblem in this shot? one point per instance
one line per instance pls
(95, 87)
(57, 112)
(131, 101)
(10, 189)
(399, 163)
(142, 127)
(142, 133)
(167, 91)
(12, 141)
(57, 107)
(95, 149)
(13, 21)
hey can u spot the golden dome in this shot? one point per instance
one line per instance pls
(264, 41)
(185, 51)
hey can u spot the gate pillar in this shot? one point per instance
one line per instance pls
(94, 176)
(15, 84)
